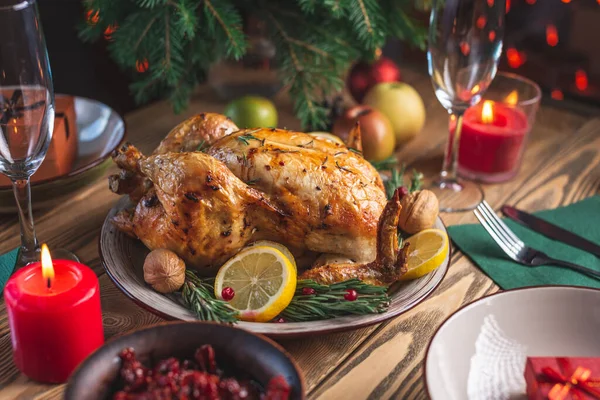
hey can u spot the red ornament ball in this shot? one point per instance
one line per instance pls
(227, 293)
(351, 295)
(308, 291)
(363, 76)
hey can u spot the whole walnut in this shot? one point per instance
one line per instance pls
(419, 211)
(164, 271)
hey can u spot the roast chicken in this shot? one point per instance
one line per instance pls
(210, 189)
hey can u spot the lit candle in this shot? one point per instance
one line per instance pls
(54, 316)
(492, 139)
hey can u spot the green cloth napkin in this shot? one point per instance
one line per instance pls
(7, 265)
(582, 218)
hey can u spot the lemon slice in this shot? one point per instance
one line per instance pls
(328, 136)
(286, 252)
(263, 281)
(428, 250)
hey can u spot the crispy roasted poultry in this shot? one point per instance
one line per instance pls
(314, 196)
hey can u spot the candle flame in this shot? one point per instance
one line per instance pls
(512, 99)
(551, 35)
(47, 267)
(487, 112)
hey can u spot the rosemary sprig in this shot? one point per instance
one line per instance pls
(352, 149)
(202, 146)
(395, 181)
(199, 297)
(416, 181)
(343, 168)
(385, 165)
(328, 300)
(245, 138)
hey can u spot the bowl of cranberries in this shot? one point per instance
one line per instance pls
(187, 360)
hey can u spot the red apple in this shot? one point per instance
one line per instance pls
(378, 139)
(363, 76)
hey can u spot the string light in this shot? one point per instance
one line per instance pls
(481, 22)
(507, 6)
(566, 1)
(551, 35)
(465, 48)
(581, 80)
(492, 35)
(515, 58)
(557, 94)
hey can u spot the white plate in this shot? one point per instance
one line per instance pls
(123, 259)
(480, 351)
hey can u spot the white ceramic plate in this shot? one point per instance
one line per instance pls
(480, 351)
(123, 259)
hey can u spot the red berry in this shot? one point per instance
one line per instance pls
(308, 291)
(280, 320)
(402, 191)
(227, 293)
(351, 295)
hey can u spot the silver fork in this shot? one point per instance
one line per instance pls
(515, 248)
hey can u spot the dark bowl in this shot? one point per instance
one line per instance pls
(256, 356)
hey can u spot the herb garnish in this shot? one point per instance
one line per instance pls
(253, 181)
(386, 164)
(328, 300)
(245, 138)
(202, 146)
(198, 296)
(352, 149)
(307, 144)
(343, 168)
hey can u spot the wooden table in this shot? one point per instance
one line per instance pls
(561, 165)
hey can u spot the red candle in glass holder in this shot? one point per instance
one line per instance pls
(492, 139)
(55, 317)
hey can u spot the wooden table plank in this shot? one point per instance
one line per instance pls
(377, 362)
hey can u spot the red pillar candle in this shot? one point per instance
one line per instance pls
(55, 317)
(492, 141)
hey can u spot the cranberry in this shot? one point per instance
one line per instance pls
(402, 191)
(351, 295)
(308, 291)
(227, 293)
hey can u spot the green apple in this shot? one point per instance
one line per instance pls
(402, 105)
(252, 112)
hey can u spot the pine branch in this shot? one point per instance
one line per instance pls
(368, 22)
(150, 3)
(229, 23)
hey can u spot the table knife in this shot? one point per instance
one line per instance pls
(550, 230)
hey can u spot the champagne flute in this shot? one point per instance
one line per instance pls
(465, 43)
(26, 109)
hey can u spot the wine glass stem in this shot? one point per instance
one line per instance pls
(449, 169)
(29, 244)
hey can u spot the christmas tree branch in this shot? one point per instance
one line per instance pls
(144, 33)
